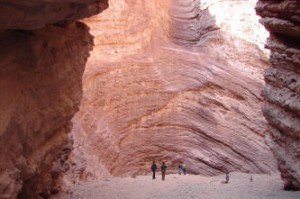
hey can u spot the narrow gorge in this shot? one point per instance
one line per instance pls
(88, 96)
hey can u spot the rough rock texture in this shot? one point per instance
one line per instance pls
(34, 14)
(282, 89)
(41, 91)
(41, 88)
(182, 84)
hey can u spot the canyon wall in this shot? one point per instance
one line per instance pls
(282, 89)
(175, 81)
(42, 58)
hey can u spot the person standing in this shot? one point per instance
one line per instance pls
(227, 177)
(153, 168)
(184, 168)
(179, 168)
(163, 170)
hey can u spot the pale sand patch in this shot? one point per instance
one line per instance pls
(184, 187)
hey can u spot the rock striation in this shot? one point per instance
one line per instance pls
(42, 59)
(282, 90)
(180, 85)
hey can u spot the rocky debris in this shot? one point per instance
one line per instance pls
(282, 90)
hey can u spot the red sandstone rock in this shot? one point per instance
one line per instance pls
(282, 89)
(177, 85)
(40, 86)
(34, 14)
(153, 89)
(41, 91)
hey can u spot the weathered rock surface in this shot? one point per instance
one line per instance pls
(282, 89)
(34, 14)
(182, 84)
(40, 87)
(41, 91)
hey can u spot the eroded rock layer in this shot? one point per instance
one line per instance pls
(41, 88)
(182, 84)
(282, 89)
(34, 14)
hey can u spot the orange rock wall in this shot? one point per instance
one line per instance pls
(173, 81)
(41, 88)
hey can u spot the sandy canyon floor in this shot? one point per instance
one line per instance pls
(183, 187)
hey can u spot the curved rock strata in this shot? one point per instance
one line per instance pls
(282, 89)
(185, 21)
(164, 91)
(41, 88)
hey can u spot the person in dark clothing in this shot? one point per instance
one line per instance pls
(179, 168)
(153, 168)
(227, 178)
(163, 170)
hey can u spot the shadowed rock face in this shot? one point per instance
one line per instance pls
(282, 89)
(182, 84)
(41, 88)
(41, 91)
(34, 14)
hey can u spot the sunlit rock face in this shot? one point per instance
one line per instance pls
(41, 88)
(173, 81)
(282, 89)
